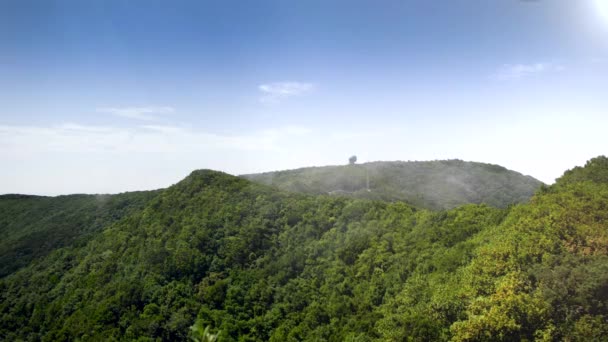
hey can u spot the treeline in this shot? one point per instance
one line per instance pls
(257, 264)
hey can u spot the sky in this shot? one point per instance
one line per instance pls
(113, 96)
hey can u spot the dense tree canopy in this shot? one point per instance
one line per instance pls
(253, 263)
(33, 226)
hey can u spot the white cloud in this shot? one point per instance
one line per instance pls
(277, 91)
(138, 113)
(75, 158)
(509, 72)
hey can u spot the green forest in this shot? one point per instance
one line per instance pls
(219, 255)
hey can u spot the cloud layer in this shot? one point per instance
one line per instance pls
(278, 91)
(75, 138)
(75, 158)
(509, 72)
(137, 113)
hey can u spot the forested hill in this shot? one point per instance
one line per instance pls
(253, 263)
(427, 184)
(33, 226)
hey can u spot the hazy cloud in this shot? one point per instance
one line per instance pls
(275, 92)
(75, 138)
(138, 113)
(509, 72)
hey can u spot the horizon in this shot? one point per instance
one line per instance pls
(283, 170)
(118, 96)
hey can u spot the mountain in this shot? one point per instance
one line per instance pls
(254, 263)
(433, 185)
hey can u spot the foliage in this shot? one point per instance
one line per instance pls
(33, 226)
(594, 171)
(259, 264)
(200, 334)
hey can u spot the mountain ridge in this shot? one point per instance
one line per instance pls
(437, 184)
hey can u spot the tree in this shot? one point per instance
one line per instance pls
(200, 334)
(352, 160)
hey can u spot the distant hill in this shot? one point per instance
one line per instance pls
(33, 226)
(435, 185)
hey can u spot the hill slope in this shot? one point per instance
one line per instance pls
(257, 264)
(33, 226)
(431, 184)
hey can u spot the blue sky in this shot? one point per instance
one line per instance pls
(111, 96)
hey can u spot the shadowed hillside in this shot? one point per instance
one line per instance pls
(431, 184)
(33, 226)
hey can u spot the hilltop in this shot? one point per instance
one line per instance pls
(443, 184)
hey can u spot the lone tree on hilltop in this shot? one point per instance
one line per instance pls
(352, 160)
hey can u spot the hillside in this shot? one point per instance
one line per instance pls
(258, 264)
(433, 185)
(33, 226)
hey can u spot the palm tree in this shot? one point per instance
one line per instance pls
(202, 335)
